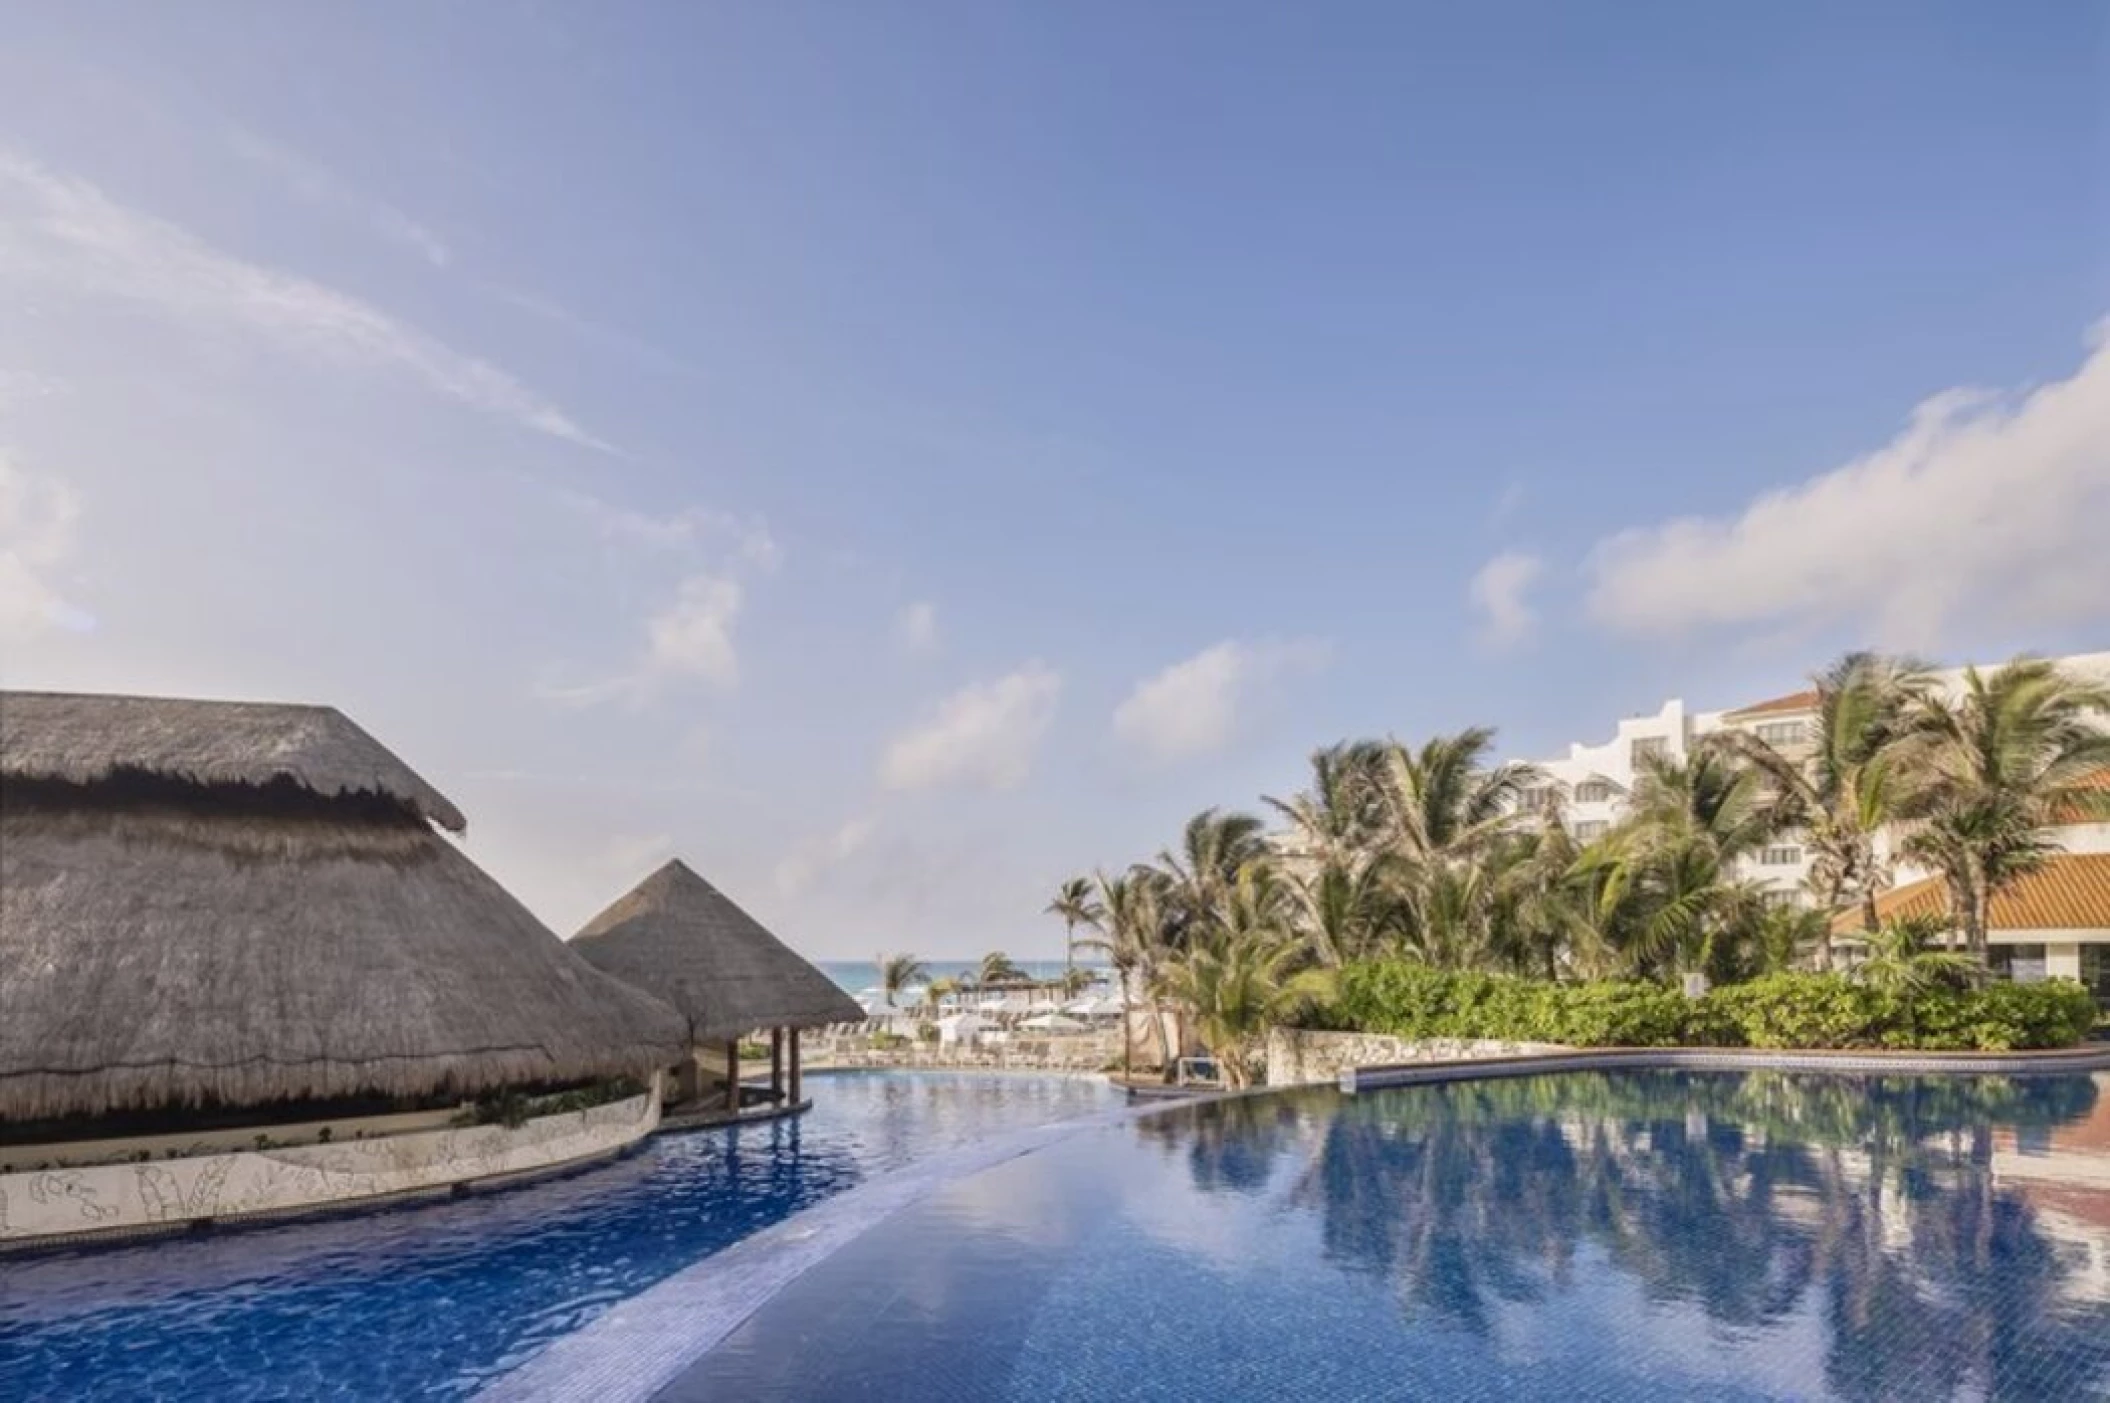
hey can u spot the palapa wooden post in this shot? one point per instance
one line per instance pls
(776, 1064)
(732, 1076)
(795, 1094)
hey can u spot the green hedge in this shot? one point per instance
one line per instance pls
(1778, 1011)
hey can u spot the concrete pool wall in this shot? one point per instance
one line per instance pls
(61, 1204)
(1303, 1057)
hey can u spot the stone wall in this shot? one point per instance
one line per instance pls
(184, 1144)
(1299, 1058)
(112, 1197)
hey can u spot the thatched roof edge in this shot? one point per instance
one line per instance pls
(85, 738)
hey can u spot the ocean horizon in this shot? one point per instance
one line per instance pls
(855, 976)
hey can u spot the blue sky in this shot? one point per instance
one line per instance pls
(897, 455)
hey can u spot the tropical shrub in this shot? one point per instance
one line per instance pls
(1415, 1001)
(2055, 1013)
(1810, 1010)
(1612, 1014)
(1788, 1010)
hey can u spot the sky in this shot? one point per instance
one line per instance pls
(895, 456)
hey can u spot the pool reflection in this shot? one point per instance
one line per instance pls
(1746, 1196)
(1630, 1236)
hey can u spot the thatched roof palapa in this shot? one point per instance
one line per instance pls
(211, 902)
(84, 740)
(680, 937)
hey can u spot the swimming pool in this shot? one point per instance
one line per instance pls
(1582, 1236)
(431, 1300)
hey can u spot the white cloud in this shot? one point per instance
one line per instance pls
(1498, 592)
(36, 537)
(1983, 507)
(1188, 709)
(59, 232)
(1192, 707)
(693, 636)
(917, 627)
(316, 186)
(797, 873)
(985, 735)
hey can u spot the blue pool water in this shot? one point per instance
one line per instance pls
(433, 1300)
(1645, 1236)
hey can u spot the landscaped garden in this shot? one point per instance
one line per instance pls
(1429, 891)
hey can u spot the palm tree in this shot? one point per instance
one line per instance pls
(1603, 911)
(898, 973)
(1694, 916)
(1902, 958)
(1784, 936)
(1536, 900)
(1192, 883)
(1851, 783)
(1690, 823)
(1214, 847)
(999, 968)
(1444, 801)
(935, 992)
(1076, 905)
(2023, 748)
(1242, 972)
(1448, 914)
(1338, 818)
(1130, 929)
(1710, 799)
(1346, 909)
(1441, 810)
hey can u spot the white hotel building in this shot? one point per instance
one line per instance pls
(2055, 922)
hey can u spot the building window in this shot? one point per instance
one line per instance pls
(1591, 829)
(1647, 746)
(2095, 972)
(1541, 799)
(1780, 732)
(2022, 963)
(1593, 791)
(1785, 855)
(1781, 896)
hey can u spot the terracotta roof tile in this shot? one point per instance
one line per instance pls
(1794, 701)
(2073, 813)
(2069, 892)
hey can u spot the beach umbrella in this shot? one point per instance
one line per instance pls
(960, 1027)
(1055, 1023)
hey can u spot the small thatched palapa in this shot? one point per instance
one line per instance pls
(235, 904)
(680, 937)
